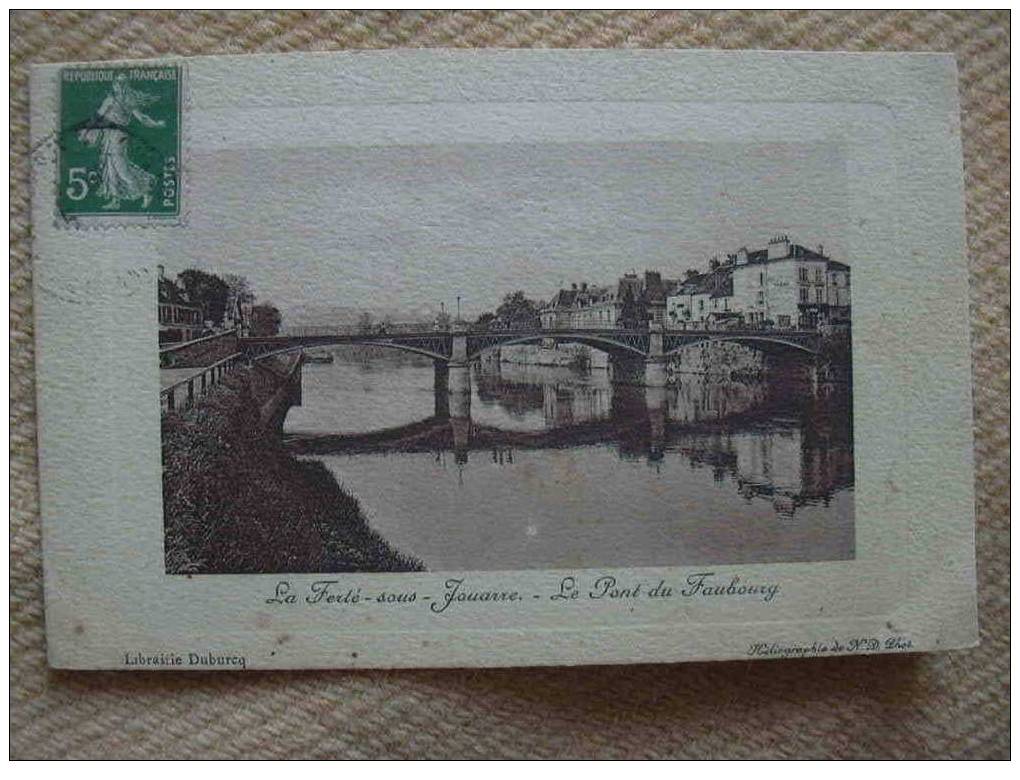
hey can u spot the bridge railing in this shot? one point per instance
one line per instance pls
(182, 395)
(198, 352)
(356, 336)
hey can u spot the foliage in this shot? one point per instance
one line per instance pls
(265, 320)
(206, 290)
(517, 310)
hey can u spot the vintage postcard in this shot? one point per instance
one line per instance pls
(430, 358)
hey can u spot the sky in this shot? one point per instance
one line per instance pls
(403, 228)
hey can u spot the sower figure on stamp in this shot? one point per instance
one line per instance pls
(121, 179)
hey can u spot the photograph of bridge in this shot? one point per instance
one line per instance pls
(556, 407)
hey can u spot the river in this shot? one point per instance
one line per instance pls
(557, 468)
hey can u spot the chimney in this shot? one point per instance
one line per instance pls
(779, 247)
(573, 285)
(161, 271)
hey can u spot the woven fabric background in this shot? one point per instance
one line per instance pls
(952, 704)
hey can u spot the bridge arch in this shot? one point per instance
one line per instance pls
(257, 354)
(627, 345)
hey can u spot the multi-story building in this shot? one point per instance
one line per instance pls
(632, 303)
(179, 320)
(838, 293)
(702, 300)
(785, 286)
(782, 285)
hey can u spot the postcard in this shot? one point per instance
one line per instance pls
(501, 358)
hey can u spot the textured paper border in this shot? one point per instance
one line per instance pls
(919, 90)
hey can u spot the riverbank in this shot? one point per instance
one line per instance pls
(234, 501)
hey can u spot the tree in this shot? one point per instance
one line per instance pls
(485, 320)
(206, 290)
(517, 310)
(633, 314)
(365, 322)
(265, 320)
(237, 285)
(238, 293)
(689, 274)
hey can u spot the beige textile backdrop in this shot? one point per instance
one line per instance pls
(951, 704)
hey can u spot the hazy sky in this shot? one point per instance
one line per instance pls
(405, 227)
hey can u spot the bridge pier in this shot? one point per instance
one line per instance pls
(655, 400)
(655, 373)
(461, 429)
(453, 403)
(649, 371)
(655, 362)
(458, 375)
(441, 389)
(458, 348)
(452, 389)
(459, 389)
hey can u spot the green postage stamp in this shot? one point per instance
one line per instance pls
(120, 141)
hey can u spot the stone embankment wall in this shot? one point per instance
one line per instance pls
(572, 355)
(718, 358)
(277, 386)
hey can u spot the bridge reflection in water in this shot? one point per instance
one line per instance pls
(708, 470)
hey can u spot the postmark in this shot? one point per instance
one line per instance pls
(120, 143)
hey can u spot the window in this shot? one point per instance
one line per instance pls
(802, 274)
(803, 295)
(761, 297)
(701, 305)
(761, 278)
(819, 295)
(818, 276)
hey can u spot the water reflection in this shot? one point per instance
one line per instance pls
(786, 437)
(548, 467)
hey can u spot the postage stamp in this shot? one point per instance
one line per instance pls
(454, 361)
(120, 141)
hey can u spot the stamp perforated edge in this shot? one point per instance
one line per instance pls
(51, 146)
